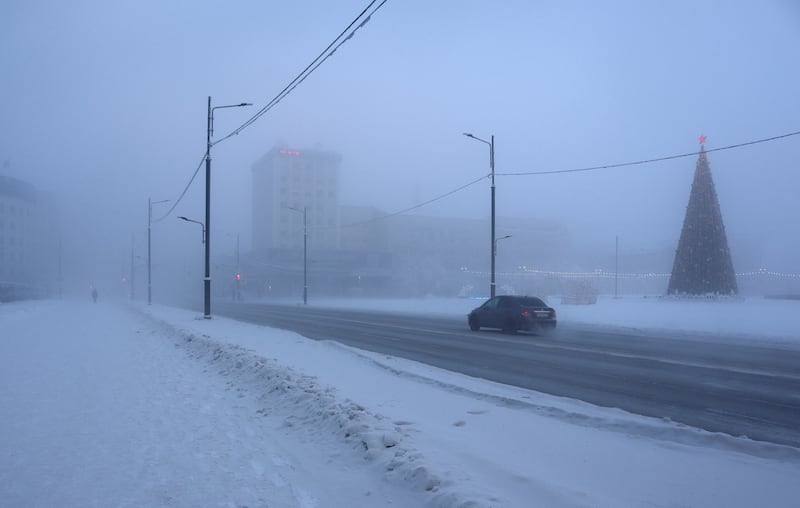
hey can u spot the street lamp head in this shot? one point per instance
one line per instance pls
(211, 113)
(501, 238)
(476, 138)
(203, 226)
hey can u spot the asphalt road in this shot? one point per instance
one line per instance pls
(731, 387)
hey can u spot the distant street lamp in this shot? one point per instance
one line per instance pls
(133, 266)
(149, 265)
(238, 271)
(237, 274)
(196, 222)
(616, 266)
(497, 240)
(305, 251)
(491, 165)
(495, 243)
(207, 227)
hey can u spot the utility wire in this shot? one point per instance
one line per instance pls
(647, 161)
(319, 60)
(420, 205)
(182, 193)
(287, 90)
(410, 208)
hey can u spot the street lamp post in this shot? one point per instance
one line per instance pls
(196, 222)
(497, 240)
(238, 274)
(133, 268)
(149, 264)
(492, 284)
(60, 269)
(204, 235)
(207, 227)
(494, 253)
(305, 251)
(616, 266)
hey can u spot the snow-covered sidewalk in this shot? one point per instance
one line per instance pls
(154, 406)
(100, 408)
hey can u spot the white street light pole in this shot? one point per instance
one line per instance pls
(305, 251)
(149, 265)
(616, 266)
(133, 268)
(492, 284)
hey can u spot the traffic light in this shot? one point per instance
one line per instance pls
(238, 276)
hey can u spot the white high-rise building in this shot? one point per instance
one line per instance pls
(285, 183)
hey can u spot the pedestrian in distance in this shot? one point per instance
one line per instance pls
(94, 294)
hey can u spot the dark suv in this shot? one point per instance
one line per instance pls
(512, 313)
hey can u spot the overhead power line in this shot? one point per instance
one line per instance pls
(185, 189)
(414, 207)
(647, 161)
(739, 145)
(324, 55)
(659, 159)
(319, 60)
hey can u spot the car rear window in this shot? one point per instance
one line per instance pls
(531, 302)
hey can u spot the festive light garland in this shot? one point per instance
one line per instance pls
(605, 274)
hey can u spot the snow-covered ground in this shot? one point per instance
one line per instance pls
(113, 405)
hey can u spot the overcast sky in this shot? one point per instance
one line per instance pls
(104, 104)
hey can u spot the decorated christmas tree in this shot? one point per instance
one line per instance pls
(703, 263)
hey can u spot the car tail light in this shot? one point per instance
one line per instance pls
(554, 314)
(526, 312)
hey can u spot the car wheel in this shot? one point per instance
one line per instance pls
(474, 324)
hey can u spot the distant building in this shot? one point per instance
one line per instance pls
(28, 243)
(439, 255)
(363, 228)
(285, 183)
(361, 250)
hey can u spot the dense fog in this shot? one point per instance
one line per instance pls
(104, 106)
